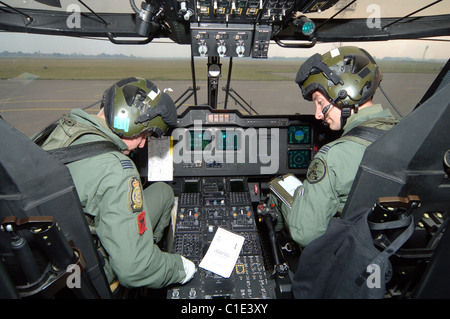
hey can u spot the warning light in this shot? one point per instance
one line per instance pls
(306, 25)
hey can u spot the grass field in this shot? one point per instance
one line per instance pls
(165, 69)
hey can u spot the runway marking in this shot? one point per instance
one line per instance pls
(12, 98)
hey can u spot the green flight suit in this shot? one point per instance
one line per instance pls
(124, 217)
(329, 178)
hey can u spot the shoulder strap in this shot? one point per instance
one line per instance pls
(77, 129)
(364, 135)
(369, 131)
(406, 223)
(40, 137)
(74, 153)
(64, 133)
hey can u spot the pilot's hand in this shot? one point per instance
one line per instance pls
(189, 269)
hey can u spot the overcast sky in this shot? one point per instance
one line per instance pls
(29, 43)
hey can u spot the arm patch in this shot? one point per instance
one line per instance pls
(135, 195)
(317, 170)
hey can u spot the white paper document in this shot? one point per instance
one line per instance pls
(290, 184)
(223, 253)
(160, 159)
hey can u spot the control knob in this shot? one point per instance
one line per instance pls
(240, 50)
(202, 49)
(221, 49)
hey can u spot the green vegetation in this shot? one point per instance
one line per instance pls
(410, 67)
(164, 69)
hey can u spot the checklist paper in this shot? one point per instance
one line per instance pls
(160, 159)
(223, 253)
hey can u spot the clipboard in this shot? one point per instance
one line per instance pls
(284, 187)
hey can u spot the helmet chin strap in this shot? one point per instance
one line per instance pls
(346, 110)
(345, 114)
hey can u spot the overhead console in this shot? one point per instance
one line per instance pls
(240, 11)
(228, 28)
(211, 142)
(244, 11)
(239, 28)
(232, 40)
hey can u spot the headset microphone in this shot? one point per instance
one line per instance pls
(326, 108)
(342, 94)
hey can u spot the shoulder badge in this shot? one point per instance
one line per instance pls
(135, 195)
(317, 170)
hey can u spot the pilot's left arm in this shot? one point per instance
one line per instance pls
(324, 192)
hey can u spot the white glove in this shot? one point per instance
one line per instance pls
(189, 269)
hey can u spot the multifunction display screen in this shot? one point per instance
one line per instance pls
(223, 140)
(299, 134)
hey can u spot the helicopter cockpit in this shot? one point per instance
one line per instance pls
(220, 160)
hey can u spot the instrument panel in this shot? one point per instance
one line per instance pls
(204, 205)
(222, 160)
(211, 142)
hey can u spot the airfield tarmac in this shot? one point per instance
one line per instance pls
(29, 105)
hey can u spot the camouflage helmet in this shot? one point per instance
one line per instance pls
(136, 105)
(348, 76)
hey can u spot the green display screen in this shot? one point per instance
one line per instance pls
(224, 140)
(299, 159)
(299, 134)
